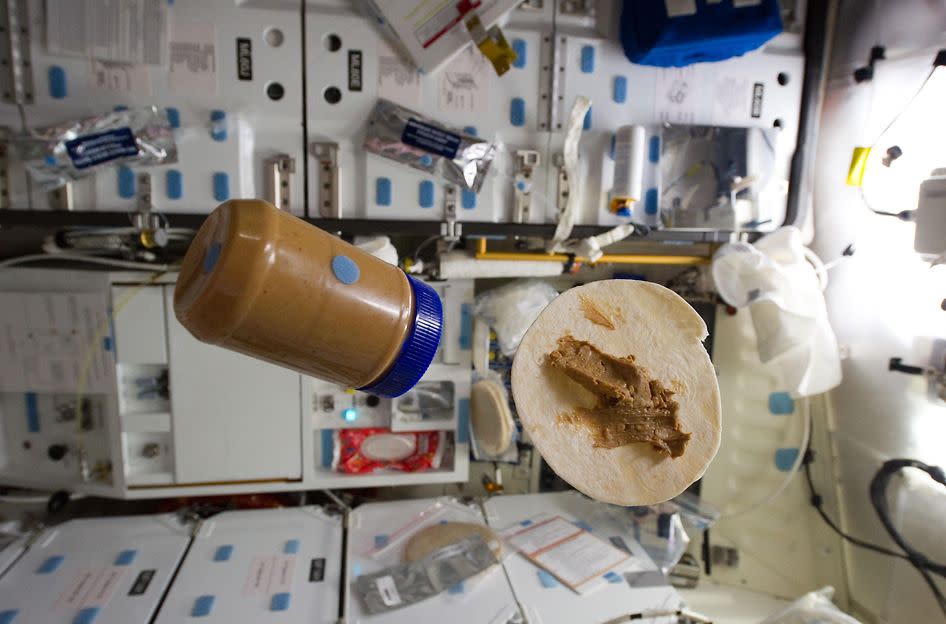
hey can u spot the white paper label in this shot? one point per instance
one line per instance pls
(464, 83)
(123, 31)
(280, 580)
(120, 78)
(397, 81)
(257, 580)
(193, 59)
(90, 587)
(677, 96)
(543, 535)
(388, 591)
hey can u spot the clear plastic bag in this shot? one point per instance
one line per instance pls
(812, 608)
(657, 528)
(512, 308)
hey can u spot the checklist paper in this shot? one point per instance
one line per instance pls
(574, 556)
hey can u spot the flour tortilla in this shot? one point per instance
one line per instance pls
(490, 417)
(437, 536)
(665, 334)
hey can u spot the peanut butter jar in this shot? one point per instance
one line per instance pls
(262, 282)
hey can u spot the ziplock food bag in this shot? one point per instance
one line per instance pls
(406, 583)
(410, 138)
(58, 154)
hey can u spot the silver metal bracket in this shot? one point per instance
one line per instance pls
(279, 170)
(551, 82)
(450, 229)
(16, 74)
(151, 227)
(561, 197)
(583, 8)
(526, 162)
(61, 197)
(329, 195)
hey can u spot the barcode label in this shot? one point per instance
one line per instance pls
(122, 31)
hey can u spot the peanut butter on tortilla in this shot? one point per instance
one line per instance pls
(631, 407)
(594, 314)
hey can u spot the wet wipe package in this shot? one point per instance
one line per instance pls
(410, 138)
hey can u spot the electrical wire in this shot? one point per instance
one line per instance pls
(878, 499)
(72, 257)
(903, 215)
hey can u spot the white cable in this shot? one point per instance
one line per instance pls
(566, 220)
(802, 446)
(122, 264)
(821, 271)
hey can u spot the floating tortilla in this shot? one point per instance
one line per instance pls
(640, 325)
(437, 536)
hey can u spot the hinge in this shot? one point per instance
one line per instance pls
(16, 74)
(329, 195)
(526, 162)
(279, 170)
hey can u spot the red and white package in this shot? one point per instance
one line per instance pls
(362, 451)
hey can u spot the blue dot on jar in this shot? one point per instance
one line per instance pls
(211, 256)
(345, 269)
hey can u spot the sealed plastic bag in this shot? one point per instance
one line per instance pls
(411, 139)
(781, 282)
(69, 151)
(512, 308)
(812, 608)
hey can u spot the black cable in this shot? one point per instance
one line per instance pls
(878, 498)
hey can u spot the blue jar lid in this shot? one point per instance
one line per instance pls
(418, 349)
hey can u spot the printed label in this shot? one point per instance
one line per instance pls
(95, 149)
(102, 589)
(430, 139)
(140, 586)
(317, 570)
(77, 588)
(193, 59)
(280, 579)
(257, 580)
(354, 70)
(120, 77)
(389, 595)
(758, 89)
(397, 81)
(123, 31)
(244, 51)
(464, 83)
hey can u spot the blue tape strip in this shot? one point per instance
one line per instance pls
(548, 581)
(86, 615)
(781, 403)
(520, 48)
(653, 154)
(327, 444)
(586, 125)
(468, 199)
(619, 94)
(612, 577)
(221, 185)
(425, 194)
(587, 59)
(517, 112)
(50, 565)
(174, 116)
(471, 130)
(456, 589)
(291, 547)
(525, 523)
(58, 85)
(218, 125)
(126, 557)
(381, 540)
(650, 201)
(785, 458)
(202, 606)
(126, 183)
(279, 602)
(32, 412)
(174, 184)
(223, 552)
(581, 524)
(382, 191)
(463, 420)
(466, 326)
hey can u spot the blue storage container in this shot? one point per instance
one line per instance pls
(676, 33)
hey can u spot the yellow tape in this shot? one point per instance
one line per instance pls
(855, 173)
(492, 44)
